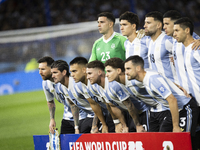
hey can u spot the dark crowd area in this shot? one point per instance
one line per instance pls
(21, 14)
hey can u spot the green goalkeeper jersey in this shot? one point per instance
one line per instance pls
(105, 49)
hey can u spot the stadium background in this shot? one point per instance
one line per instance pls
(61, 29)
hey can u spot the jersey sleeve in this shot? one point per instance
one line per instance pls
(48, 90)
(160, 86)
(119, 90)
(169, 44)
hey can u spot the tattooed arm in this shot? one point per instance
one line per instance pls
(75, 113)
(95, 128)
(134, 114)
(52, 108)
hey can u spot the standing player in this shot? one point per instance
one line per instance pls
(160, 46)
(183, 30)
(134, 46)
(67, 125)
(78, 72)
(111, 44)
(178, 48)
(183, 109)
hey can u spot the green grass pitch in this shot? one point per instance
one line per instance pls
(23, 115)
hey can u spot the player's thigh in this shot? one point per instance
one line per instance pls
(85, 125)
(67, 127)
(188, 117)
(165, 121)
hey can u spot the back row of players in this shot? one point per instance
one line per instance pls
(116, 92)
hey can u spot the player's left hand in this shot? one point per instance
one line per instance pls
(105, 129)
(140, 128)
(94, 129)
(196, 45)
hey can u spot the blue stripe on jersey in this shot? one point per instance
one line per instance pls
(159, 54)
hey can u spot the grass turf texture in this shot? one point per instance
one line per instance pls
(23, 115)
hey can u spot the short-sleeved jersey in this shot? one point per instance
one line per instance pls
(78, 98)
(160, 87)
(114, 98)
(192, 66)
(138, 89)
(117, 93)
(138, 47)
(105, 49)
(51, 91)
(84, 90)
(178, 54)
(159, 54)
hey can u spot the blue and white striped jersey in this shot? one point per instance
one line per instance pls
(51, 91)
(178, 54)
(138, 47)
(117, 93)
(78, 98)
(160, 87)
(138, 89)
(192, 66)
(159, 54)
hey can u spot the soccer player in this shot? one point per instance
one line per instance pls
(183, 109)
(160, 46)
(67, 125)
(183, 30)
(178, 48)
(129, 23)
(78, 72)
(111, 44)
(61, 76)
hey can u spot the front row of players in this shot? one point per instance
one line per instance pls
(127, 98)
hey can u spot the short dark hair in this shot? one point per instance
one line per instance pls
(79, 61)
(115, 63)
(96, 64)
(46, 59)
(156, 15)
(61, 65)
(136, 60)
(109, 15)
(130, 17)
(172, 14)
(184, 23)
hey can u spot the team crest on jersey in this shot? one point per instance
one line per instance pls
(120, 92)
(113, 46)
(162, 89)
